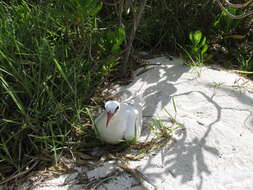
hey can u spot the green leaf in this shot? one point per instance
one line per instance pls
(116, 38)
(191, 37)
(203, 42)
(97, 8)
(120, 35)
(204, 49)
(195, 49)
(197, 37)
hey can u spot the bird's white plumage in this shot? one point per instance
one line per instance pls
(125, 124)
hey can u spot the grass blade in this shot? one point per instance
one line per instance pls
(243, 72)
(63, 75)
(14, 97)
(174, 105)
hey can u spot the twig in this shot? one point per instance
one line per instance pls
(136, 21)
(19, 174)
(93, 185)
(145, 182)
(244, 15)
(242, 5)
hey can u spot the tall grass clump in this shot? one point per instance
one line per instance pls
(52, 58)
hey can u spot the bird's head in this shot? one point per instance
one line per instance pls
(111, 108)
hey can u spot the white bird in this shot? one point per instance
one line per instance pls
(120, 121)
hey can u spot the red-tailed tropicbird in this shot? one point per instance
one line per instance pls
(120, 121)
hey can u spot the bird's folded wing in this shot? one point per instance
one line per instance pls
(131, 118)
(98, 122)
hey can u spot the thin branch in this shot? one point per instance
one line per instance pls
(19, 174)
(244, 15)
(242, 5)
(132, 35)
(144, 181)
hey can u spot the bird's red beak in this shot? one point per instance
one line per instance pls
(109, 117)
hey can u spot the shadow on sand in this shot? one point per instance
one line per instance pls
(184, 159)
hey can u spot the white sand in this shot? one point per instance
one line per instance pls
(214, 152)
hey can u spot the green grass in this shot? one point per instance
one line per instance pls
(53, 56)
(164, 127)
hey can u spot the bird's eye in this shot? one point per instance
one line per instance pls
(116, 109)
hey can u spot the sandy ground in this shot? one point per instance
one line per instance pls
(213, 151)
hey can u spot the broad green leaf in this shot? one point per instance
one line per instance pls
(197, 37)
(204, 49)
(203, 42)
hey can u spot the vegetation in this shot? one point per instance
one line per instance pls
(167, 26)
(55, 56)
